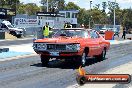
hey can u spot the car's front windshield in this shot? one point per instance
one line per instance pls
(70, 33)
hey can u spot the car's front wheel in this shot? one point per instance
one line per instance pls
(44, 60)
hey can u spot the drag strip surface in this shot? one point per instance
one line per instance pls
(28, 72)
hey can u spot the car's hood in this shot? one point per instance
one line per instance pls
(61, 40)
(16, 29)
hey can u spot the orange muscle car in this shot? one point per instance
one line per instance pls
(73, 43)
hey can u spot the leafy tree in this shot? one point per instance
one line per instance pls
(104, 5)
(31, 8)
(98, 17)
(2, 3)
(127, 18)
(96, 6)
(95, 16)
(118, 16)
(81, 16)
(87, 18)
(43, 8)
(111, 7)
(61, 5)
(9, 3)
(13, 3)
(54, 4)
(21, 9)
(72, 6)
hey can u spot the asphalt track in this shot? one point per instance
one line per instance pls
(15, 42)
(27, 72)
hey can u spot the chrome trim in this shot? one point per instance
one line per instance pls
(61, 51)
(55, 44)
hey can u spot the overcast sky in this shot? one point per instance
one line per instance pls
(85, 3)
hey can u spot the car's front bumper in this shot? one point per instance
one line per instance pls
(59, 53)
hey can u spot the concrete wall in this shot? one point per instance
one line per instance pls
(23, 16)
(32, 31)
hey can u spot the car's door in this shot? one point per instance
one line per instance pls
(94, 43)
(100, 42)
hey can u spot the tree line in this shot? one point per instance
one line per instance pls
(95, 15)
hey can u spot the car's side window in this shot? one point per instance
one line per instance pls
(97, 35)
(93, 34)
(86, 34)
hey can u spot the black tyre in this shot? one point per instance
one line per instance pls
(69, 60)
(44, 60)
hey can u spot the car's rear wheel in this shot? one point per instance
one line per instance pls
(44, 60)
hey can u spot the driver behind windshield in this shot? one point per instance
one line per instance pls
(69, 33)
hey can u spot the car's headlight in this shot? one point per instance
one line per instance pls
(40, 46)
(73, 47)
